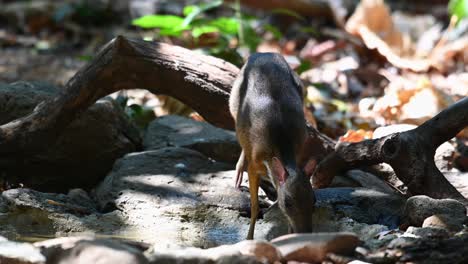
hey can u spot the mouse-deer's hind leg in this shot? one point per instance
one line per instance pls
(240, 168)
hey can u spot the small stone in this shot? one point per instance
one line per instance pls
(427, 232)
(19, 253)
(445, 221)
(420, 207)
(261, 250)
(314, 247)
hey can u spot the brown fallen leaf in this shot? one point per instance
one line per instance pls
(373, 16)
(374, 24)
(356, 136)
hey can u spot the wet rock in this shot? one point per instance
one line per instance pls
(30, 212)
(181, 191)
(447, 222)
(19, 253)
(314, 247)
(365, 232)
(426, 232)
(420, 207)
(178, 131)
(77, 251)
(24, 198)
(363, 205)
(85, 151)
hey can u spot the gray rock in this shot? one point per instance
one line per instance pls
(426, 232)
(19, 253)
(363, 205)
(370, 181)
(181, 191)
(4, 205)
(29, 212)
(178, 131)
(315, 246)
(84, 152)
(420, 207)
(401, 242)
(447, 222)
(52, 202)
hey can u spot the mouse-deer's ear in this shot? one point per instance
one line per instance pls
(279, 171)
(309, 167)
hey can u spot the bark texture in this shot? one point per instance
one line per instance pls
(410, 153)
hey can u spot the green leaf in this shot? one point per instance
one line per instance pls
(274, 30)
(198, 31)
(159, 21)
(85, 57)
(189, 9)
(251, 38)
(195, 10)
(458, 8)
(305, 65)
(226, 25)
(175, 32)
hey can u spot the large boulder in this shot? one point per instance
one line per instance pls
(29, 213)
(83, 153)
(179, 196)
(177, 131)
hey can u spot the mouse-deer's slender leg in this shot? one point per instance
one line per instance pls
(240, 168)
(254, 182)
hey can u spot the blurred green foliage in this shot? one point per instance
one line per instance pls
(458, 8)
(241, 28)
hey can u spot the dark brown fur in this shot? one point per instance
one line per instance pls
(266, 103)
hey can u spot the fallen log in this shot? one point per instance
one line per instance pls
(410, 153)
(202, 82)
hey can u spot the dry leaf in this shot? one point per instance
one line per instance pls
(373, 22)
(356, 136)
(374, 16)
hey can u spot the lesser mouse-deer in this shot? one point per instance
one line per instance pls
(266, 104)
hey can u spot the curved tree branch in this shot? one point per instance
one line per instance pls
(410, 153)
(202, 82)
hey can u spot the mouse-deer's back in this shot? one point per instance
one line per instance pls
(266, 103)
